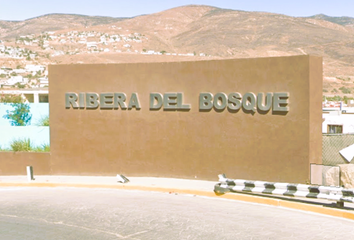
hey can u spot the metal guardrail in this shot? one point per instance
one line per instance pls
(337, 194)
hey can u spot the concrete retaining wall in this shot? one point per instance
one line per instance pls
(14, 163)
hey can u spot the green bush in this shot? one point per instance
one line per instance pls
(42, 148)
(10, 98)
(334, 90)
(335, 98)
(345, 90)
(24, 145)
(43, 121)
(21, 145)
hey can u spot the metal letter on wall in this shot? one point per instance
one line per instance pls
(235, 101)
(92, 100)
(170, 101)
(220, 101)
(268, 102)
(205, 101)
(249, 102)
(106, 100)
(71, 100)
(180, 104)
(119, 100)
(280, 102)
(159, 101)
(82, 100)
(134, 102)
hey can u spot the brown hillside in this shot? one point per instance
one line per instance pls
(201, 30)
(51, 22)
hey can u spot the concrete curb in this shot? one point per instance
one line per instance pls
(232, 196)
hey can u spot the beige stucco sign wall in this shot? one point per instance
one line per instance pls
(255, 119)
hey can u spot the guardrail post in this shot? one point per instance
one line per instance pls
(29, 170)
(220, 190)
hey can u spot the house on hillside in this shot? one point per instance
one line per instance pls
(43, 82)
(338, 122)
(10, 83)
(91, 45)
(19, 71)
(2, 71)
(34, 68)
(82, 41)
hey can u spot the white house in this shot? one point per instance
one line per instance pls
(91, 44)
(337, 122)
(103, 39)
(34, 68)
(14, 80)
(43, 82)
(19, 71)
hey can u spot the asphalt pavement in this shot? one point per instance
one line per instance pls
(106, 213)
(100, 207)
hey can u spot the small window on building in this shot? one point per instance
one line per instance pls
(335, 129)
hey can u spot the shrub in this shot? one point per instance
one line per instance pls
(43, 148)
(335, 98)
(345, 90)
(21, 145)
(10, 98)
(43, 121)
(24, 145)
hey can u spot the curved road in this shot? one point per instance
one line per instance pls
(78, 213)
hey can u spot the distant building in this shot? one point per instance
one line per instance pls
(43, 82)
(34, 68)
(338, 122)
(91, 44)
(31, 95)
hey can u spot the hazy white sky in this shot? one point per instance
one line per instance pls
(24, 9)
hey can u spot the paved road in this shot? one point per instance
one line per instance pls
(77, 213)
